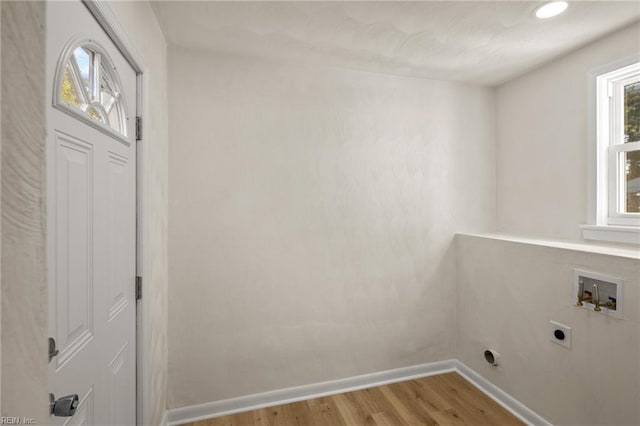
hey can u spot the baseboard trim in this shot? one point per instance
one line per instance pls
(508, 402)
(178, 416)
(165, 418)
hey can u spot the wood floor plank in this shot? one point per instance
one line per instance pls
(477, 403)
(427, 394)
(461, 408)
(445, 399)
(349, 411)
(377, 405)
(428, 390)
(363, 412)
(450, 417)
(296, 414)
(324, 412)
(260, 417)
(381, 419)
(410, 406)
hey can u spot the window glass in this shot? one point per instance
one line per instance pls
(89, 86)
(632, 181)
(82, 59)
(632, 112)
(69, 89)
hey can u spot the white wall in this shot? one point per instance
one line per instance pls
(24, 292)
(0, 210)
(542, 140)
(508, 291)
(312, 213)
(140, 24)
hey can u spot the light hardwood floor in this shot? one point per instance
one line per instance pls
(445, 399)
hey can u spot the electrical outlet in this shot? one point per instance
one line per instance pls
(560, 334)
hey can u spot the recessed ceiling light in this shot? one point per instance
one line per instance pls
(551, 9)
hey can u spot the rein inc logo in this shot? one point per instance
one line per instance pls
(17, 421)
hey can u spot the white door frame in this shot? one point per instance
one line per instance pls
(109, 22)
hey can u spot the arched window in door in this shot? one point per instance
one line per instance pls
(87, 86)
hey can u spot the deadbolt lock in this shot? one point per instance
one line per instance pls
(52, 348)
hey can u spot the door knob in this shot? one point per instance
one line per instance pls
(63, 407)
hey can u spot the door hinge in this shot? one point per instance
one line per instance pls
(138, 128)
(138, 288)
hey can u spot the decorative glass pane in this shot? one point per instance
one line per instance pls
(95, 114)
(69, 90)
(106, 84)
(89, 85)
(632, 112)
(632, 181)
(109, 98)
(83, 61)
(107, 101)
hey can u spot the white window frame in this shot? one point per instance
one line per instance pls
(607, 220)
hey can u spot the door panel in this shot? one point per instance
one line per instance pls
(118, 249)
(73, 313)
(120, 377)
(84, 414)
(91, 213)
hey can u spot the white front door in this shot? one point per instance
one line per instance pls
(91, 214)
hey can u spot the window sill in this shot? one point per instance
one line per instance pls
(611, 233)
(619, 251)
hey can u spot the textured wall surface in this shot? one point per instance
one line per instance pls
(312, 213)
(484, 42)
(139, 21)
(0, 211)
(541, 145)
(508, 292)
(24, 291)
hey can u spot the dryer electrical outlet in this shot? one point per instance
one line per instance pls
(560, 334)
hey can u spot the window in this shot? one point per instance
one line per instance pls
(617, 155)
(88, 87)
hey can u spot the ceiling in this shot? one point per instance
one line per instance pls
(485, 42)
